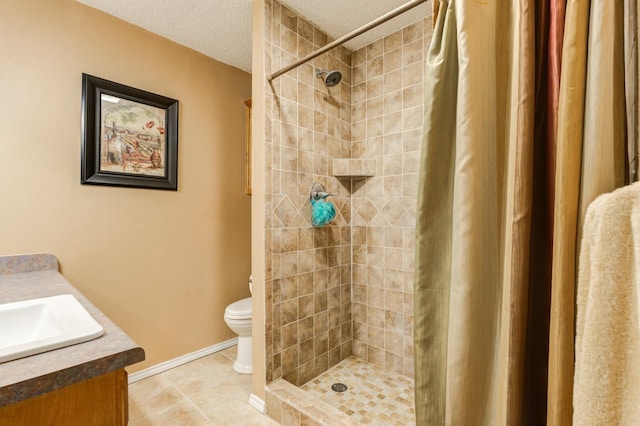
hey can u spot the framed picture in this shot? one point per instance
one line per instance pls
(129, 136)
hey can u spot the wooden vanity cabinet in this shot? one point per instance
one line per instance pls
(100, 401)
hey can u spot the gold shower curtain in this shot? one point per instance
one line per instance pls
(474, 214)
(590, 161)
(480, 288)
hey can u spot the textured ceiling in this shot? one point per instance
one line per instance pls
(221, 29)
(339, 17)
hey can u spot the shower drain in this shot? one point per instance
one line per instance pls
(338, 387)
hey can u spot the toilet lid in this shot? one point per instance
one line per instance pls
(239, 310)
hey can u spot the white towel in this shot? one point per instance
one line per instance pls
(607, 373)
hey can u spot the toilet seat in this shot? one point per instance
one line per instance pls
(240, 310)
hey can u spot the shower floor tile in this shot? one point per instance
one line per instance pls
(374, 396)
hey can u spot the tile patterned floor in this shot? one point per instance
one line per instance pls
(202, 392)
(374, 396)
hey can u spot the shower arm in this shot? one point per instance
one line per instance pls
(381, 20)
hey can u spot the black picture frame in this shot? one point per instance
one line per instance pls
(132, 143)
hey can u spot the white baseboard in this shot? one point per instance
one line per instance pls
(257, 403)
(172, 363)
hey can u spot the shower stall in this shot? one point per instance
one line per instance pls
(339, 298)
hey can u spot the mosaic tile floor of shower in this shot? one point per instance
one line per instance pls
(374, 396)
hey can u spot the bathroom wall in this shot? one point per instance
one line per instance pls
(308, 270)
(163, 265)
(258, 246)
(387, 118)
(374, 113)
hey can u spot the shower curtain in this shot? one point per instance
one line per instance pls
(501, 201)
(590, 161)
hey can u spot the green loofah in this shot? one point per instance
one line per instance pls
(322, 212)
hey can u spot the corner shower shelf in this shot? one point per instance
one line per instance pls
(354, 168)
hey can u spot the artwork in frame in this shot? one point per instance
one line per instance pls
(129, 136)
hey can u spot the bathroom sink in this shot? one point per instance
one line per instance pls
(33, 326)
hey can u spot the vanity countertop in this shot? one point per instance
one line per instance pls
(33, 276)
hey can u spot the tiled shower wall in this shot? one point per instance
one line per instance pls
(387, 119)
(375, 112)
(308, 277)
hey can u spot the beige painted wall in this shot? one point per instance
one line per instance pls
(162, 265)
(258, 200)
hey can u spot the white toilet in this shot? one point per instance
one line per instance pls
(238, 318)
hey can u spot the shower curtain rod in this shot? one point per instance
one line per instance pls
(381, 20)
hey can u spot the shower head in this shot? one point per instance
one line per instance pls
(330, 78)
